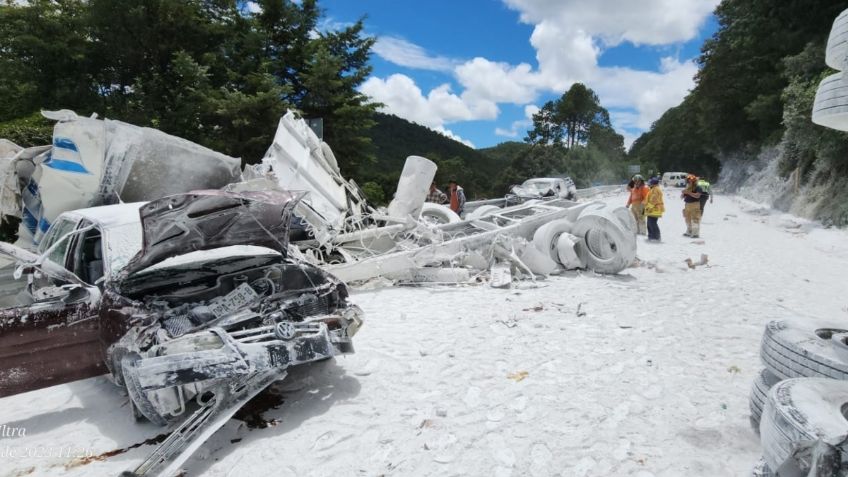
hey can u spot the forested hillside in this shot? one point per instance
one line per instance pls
(753, 100)
(395, 138)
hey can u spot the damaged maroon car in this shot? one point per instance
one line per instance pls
(190, 302)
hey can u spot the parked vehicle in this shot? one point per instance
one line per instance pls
(555, 187)
(190, 302)
(674, 179)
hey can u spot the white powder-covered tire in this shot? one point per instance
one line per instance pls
(605, 245)
(545, 238)
(830, 108)
(759, 395)
(837, 43)
(567, 252)
(799, 413)
(626, 218)
(438, 214)
(482, 211)
(795, 349)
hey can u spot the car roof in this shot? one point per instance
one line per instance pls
(108, 215)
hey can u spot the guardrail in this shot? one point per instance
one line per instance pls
(509, 199)
(598, 190)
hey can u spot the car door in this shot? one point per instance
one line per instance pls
(50, 335)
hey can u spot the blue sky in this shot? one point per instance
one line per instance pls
(476, 70)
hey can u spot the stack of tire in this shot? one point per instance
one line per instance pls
(830, 108)
(799, 401)
(602, 239)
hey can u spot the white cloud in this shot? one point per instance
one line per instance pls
(486, 80)
(403, 53)
(649, 93)
(649, 22)
(402, 97)
(569, 36)
(522, 125)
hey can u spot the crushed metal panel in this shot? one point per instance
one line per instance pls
(204, 220)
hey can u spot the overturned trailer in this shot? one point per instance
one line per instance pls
(358, 243)
(95, 162)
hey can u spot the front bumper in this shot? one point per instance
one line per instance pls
(166, 381)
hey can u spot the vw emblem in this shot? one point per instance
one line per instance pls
(285, 330)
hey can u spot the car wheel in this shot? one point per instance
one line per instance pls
(141, 404)
(759, 394)
(438, 214)
(794, 350)
(604, 244)
(804, 426)
(116, 356)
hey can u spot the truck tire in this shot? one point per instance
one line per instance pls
(795, 350)
(546, 237)
(837, 43)
(759, 394)
(830, 108)
(605, 246)
(800, 413)
(567, 252)
(626, 218)
(438, 214)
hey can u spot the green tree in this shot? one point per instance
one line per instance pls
(571, 120)
(205, 70)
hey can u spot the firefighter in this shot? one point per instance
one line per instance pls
(654, 208)
(692, 206)
(636, 202)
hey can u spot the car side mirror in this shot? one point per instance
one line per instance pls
(76, 294)
(22, 270)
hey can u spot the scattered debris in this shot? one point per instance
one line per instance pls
(518, 376)
(195, 338)
(580, 312)
(703, 261)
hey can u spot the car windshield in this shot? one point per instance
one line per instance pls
(539, 186)
(123, 242)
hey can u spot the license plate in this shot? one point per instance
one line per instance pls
(234, 301)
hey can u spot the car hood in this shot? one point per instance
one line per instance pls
(204, 220)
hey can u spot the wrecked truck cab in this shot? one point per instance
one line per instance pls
(197, 291)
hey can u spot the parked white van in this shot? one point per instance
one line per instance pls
(676, 179)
